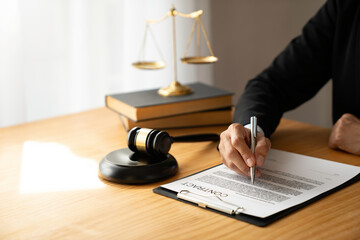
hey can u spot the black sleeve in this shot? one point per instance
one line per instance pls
(294, 77)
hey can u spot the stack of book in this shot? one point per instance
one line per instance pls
(208, 105)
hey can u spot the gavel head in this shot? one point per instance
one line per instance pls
(153, 142)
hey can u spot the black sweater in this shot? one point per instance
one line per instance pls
(328, 48)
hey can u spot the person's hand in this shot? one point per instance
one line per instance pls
(234, 148)
(345, 134)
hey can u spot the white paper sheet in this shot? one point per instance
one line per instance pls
(287, 180)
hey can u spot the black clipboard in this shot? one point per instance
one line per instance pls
(261, 222)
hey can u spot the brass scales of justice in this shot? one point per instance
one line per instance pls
(175, 88)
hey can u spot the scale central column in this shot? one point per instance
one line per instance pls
(174, 42)
(175, 88)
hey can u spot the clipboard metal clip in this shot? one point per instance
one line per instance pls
(213, 202)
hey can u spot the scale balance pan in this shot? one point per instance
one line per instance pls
(126, 167)
(199, 59)
(149, 65)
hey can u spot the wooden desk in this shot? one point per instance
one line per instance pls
(49, 187)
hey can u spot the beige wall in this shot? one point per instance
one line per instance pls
(248, 34)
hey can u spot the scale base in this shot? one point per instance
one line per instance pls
(126, 167)
(175, 89)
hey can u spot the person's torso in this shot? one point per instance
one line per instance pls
(346, 60)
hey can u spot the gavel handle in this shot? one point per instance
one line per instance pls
(197, 138)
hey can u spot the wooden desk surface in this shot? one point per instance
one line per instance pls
(49, 187)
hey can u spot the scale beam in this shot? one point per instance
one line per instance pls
(173, 12)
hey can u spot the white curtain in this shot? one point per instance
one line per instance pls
(59, 57)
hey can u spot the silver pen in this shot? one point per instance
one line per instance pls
(253, 132)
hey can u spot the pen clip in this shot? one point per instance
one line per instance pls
(213, 202)
(253, 130)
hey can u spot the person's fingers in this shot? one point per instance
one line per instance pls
(262, 149)
(334, 138)
(230, 156)
(240, 169)
(239, 136)
(345, 134)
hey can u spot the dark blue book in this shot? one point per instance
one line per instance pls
(148, 104)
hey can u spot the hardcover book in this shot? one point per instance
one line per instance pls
(148, 104)
(197, 119)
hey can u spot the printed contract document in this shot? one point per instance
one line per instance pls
(287, 179)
